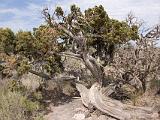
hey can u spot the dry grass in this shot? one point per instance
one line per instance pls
(15, 105)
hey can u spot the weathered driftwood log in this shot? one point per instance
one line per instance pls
(113, 107)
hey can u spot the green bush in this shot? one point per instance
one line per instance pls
(14, 105)
(11, 107)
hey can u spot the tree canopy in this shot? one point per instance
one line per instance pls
(102, 32)
(7, 40)
(43, 45)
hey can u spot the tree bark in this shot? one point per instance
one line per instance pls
(113, 107)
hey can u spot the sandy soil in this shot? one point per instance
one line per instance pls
(73, 110)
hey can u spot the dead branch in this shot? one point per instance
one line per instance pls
(114, 108)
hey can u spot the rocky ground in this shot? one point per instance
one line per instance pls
(73, 110)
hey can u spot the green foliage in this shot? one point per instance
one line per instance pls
(30, 105)
(59, 11)
(15, 86)
(22, 66)
(42, 44)
(47, 46)
(45, 40)
(14, 105)
(97, 18)
(7, 40)
(39, 117)
(96, 21)
(37, 95)
(10, 107)
(25, 43)
(102, 32)
(112, 31)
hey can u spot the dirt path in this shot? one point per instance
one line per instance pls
(68, 111)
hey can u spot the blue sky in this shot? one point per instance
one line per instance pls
(26, 14)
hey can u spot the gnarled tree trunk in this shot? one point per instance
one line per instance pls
(113, 107)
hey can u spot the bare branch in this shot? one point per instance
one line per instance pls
(40, 74)
(72, 55)
(154, 32)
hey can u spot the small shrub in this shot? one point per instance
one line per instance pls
(11, 107)
(15, 105)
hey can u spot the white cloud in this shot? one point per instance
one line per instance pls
(48, 0)
(148, 10)
(7, 10)
(26, 19)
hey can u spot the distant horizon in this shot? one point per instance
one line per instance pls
(25, 15)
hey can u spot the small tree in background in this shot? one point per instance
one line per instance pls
(7, 40)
